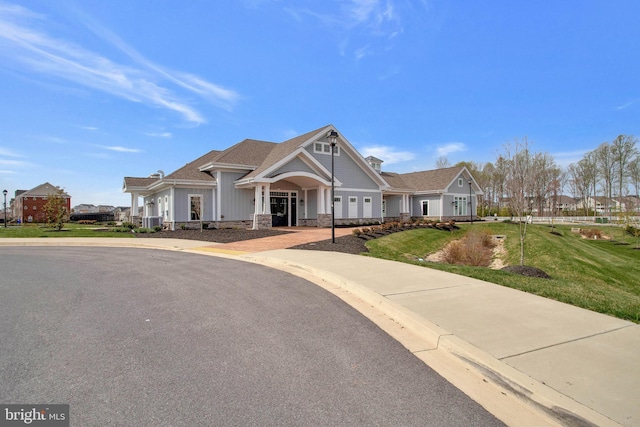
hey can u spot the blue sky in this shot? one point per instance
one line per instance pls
(92, 91)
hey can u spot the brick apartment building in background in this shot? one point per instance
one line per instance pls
(28, 205)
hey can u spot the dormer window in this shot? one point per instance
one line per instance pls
(325, 148)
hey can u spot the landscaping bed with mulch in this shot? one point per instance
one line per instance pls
(222, 235)
(344, 244)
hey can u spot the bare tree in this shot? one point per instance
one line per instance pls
(606, 171)
(589, 172)
(499, 179)
(519, 182)
(543, 170)
(634, 175)
(442, 163)
(623, 151)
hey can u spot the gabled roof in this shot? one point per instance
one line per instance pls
(43, 190)
(426, 181)
(130, 181)
(191, 171)
(431, 180)
(249, 152)
(282, 150)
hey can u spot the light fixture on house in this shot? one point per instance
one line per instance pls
(332, 136)
(470, 204)
(4, 192)
(301, 202)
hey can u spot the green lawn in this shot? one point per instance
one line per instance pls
(69, 230)
(599, 275)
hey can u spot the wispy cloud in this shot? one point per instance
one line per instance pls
(565, 158)
(452, 147)
(27, 45)
(389, 155)
(120, 149)
(159, 134)
(9, 153)
(627, 105)
(15, 163)
(365, 23)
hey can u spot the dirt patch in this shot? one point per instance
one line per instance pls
(498, 256)
(526, 270)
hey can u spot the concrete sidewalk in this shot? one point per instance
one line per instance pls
(572, 366)
(529, 360)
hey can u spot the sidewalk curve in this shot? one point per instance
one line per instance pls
(529, 360)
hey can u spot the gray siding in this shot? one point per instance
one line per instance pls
(284, 186)
(295, 165)
(183, 209)
(435, 207)
(236, 204)
(393, 205)
(376, 203)
(311, 203)
(346, 170)
(454, 188)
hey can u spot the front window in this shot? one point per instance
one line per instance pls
(195, 207)
(459, 206)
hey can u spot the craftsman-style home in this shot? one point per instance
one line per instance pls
(259, 184)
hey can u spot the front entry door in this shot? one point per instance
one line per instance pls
(279, 211)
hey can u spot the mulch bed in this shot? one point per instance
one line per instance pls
(222, 235)
(344, 244)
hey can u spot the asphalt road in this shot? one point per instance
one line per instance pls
(136, 337)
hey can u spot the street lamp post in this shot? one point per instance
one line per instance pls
(470, 204)
(333, 140)
(4, 192)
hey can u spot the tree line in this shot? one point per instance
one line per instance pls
(523, 182)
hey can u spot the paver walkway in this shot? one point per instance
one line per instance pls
(297, 236)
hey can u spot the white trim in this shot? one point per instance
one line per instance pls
(189, 197)
(324, 148)
(422, 203)
(300, 174)
(360, 190)
(218, 195)
(336, 204)
(350, 212)
(367, 207)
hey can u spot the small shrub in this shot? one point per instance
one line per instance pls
(591, 233)
(475, 249)
(87, 221)
(157, 228)
(128, 225)
(356, 232)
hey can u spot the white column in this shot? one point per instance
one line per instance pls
(329, 202)
(258, 199)
(321, 208)
(267, 199)
(306, 203)
(134, 205)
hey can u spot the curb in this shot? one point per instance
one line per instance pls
(512, 396)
